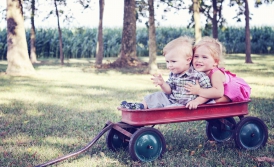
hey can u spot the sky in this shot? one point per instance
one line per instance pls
(113, 16)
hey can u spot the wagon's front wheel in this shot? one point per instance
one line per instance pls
(251, 133)
(146, 144)
(218, 131)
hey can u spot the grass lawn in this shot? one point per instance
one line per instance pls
(61, 109)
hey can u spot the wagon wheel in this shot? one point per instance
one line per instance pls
(218, 131)
(116, 140)
(146, 144)
(251, 133)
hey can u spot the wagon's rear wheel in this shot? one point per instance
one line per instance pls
(116, 140)
(218, 131)
(251, 133)
(146, 144)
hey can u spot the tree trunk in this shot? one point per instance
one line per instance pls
(214, 20)
(17, 54)
(247, 35)
(60, 35)
(152, 65)
(33, 56)
(197, 21)
(128, 46)
(100, 41)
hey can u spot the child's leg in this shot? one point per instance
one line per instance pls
(156, 100)
(145, 104)
(223, 99)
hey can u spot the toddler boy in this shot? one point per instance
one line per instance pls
(178, 55)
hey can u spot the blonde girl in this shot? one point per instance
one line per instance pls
(226, 87)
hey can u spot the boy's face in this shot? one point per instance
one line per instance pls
(177, 62)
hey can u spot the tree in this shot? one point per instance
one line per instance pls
(100, 41)
(247, 28)
(33, 56)
(60, 34)
(197, 21)
(213, 18)
(30, 5)
(152, 65)
(193, 9)
(67, 16)
(128, 45)
(247, 35)
(244, 10)
(144, 7)
(17, 53)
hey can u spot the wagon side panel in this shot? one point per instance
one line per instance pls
(182, 114)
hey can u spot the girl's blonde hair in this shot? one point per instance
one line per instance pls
(182, 44)
(216, 48)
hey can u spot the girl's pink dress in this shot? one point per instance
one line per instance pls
(235, 88)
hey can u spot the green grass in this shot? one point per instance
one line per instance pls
(61, 109)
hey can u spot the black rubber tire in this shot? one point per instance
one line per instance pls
(116, 140)
(251, 133)
(147, 144)
(214, 131)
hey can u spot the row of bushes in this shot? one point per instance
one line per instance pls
(81, 42)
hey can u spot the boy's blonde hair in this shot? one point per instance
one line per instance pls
(182, 44)
(216, 48)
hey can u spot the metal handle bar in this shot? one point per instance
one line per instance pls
(108, 126)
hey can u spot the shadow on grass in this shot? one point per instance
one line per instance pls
(54, 130)
(52, 125)
(36, 123)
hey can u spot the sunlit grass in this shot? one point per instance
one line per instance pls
(61, 109)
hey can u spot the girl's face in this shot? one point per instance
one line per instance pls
(203, 61)
(177, 63)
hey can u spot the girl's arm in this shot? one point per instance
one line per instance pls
(194, 103)
(217, 90)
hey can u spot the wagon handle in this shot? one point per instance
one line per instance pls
(107, 127)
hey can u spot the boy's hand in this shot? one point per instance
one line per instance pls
(192, 104)
(157, 79)
(193, 89)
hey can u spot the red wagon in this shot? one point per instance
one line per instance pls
(145, 143)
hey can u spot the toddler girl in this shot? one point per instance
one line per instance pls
(226, 87)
